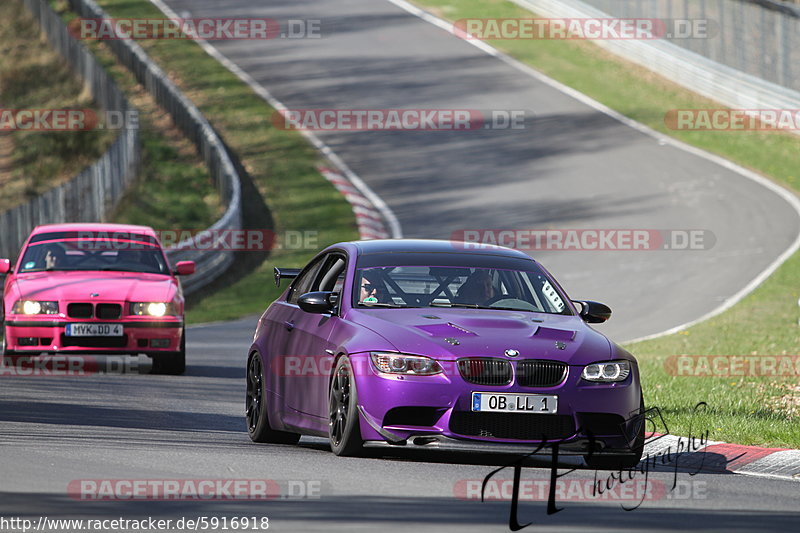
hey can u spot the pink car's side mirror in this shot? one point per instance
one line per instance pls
(184, 268)
(5, 266)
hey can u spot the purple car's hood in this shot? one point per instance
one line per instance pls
(78, 285)
(432, 331)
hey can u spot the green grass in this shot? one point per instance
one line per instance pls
(34, 76)
(762, 411)
(159, 197)
(173, 189)
(281, 163)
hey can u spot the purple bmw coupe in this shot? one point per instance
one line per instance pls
(436, 344)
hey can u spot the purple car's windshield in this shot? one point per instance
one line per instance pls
(93, 252)
(441, 286)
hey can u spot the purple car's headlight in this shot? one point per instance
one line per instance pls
(607, 371)
(400, 363)
(33, 307)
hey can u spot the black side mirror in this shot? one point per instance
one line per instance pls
(593, 312)
(317, 302)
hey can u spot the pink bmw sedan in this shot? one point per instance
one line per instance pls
(95, 288)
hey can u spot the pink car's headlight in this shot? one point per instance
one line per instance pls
(155, 309)
(34, 307)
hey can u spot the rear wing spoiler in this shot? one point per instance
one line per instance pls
(287, 273)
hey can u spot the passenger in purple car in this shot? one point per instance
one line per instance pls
(372, 288)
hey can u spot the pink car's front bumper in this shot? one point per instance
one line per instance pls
(33, 335)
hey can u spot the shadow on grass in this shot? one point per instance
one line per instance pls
(255, 215)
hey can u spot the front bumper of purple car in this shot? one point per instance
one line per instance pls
(441, 410)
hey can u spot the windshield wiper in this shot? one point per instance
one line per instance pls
(510, 309)
(469, 306)
(383, 304)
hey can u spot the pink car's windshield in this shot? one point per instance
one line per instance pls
(94, 251)
(439, 286)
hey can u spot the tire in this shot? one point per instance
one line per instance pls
(4, 346)
(173, 364)
(8, 357)
(256, 411)
(615, 462)
(344, 430)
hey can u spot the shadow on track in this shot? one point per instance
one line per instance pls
(119, 417)
(340, 513)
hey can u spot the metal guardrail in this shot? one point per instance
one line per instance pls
(97, 189)
(186, 116)
(752, 63)
(757, 37)
(92, 194)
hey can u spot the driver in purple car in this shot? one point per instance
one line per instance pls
(478, 289)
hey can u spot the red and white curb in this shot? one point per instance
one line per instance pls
(713, 456)
(368, 218)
